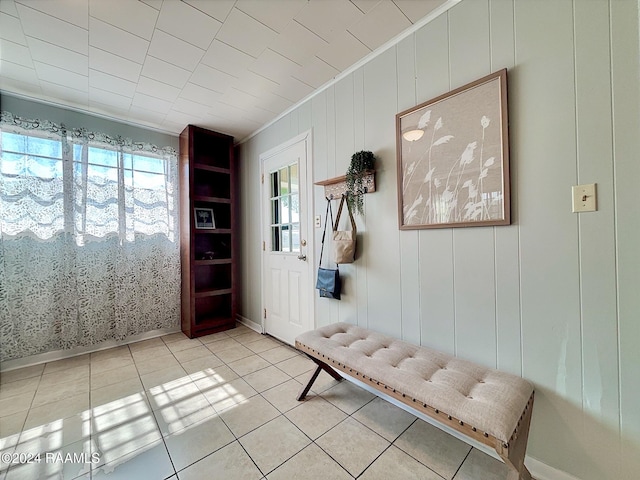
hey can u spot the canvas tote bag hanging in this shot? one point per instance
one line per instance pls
(344, 241)
(328, 283)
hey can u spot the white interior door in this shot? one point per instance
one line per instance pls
(287, 273)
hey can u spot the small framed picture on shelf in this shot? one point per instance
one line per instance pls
(204, 218)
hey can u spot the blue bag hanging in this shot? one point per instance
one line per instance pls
(328, 283)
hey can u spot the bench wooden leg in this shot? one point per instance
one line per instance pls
(514, 455)
(321, 366)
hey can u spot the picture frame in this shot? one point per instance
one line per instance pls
(453, 158)
(204, 219)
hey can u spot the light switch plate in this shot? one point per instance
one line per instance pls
(584, 198)
(318, 221)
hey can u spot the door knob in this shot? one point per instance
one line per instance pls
(302, 257)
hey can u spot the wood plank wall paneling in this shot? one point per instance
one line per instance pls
(409, 246)
(436, 247)
(474, 249)
(382, 238)
(626, 145)
(554, 296)
(600, 389)
(507, 239)
(546, 150)
(344, 147)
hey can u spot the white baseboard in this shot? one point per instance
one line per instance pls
(74, 352)
(542, 471)
(257, 327)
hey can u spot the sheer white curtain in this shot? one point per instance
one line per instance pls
(89, 240)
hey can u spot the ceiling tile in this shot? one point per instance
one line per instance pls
(223, 110)
(155, 104)
(274, 66)
(417, 10)
(273, 103)
(316, 72)
(103, 97)
(179, 118)
(297, 43)
(380, 25)
(19, 72)
(238, 99)
(328, 17)
(366, 5)
(212, 79)
(259, 115)
(199, 94)
(165, 72)
(183, 105)
(189, 24)
(11, 29)
(157, 4)
(9, 7)
(109, 109)
(175, 51)
(293, 89)
(21, 87)
(112, 39)
(227, 58)
(221, 124)
(255, 84)
(154, 88)
(60, 76)
(61, 57)
(139, 20)
(245, 33)
(16, 53)
(275, 14)
(71, 11)
(40, 25)
(107, 82)
(114, 65)
(143, 116)
(60, 93)
(174, 127)
(219, 9)
(343, 51)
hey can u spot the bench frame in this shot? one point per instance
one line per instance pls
(512, 453)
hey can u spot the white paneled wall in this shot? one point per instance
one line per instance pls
(554, 296)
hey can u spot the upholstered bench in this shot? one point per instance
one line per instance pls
(487, 405)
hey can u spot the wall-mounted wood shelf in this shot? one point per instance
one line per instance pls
(337, 186)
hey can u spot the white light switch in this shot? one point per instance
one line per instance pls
(318, 221)
(584, 198)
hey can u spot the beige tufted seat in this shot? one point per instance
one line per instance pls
(486, 404)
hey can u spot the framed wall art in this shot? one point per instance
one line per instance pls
(204, 218)
(453, 158)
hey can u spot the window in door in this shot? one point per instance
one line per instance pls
(285, 210)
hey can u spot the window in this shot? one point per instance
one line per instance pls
(89, 247)
(285, 210)
(92, 191)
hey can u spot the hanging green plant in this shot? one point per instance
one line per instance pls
(361, 163)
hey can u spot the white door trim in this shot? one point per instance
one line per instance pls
(307, 138)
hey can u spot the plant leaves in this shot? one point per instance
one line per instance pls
(442, 140)
(427, 177)
(424, 119)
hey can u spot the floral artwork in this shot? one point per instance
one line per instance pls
(204, 218)
(453, 158)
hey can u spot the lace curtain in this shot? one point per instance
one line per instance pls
(89, 239)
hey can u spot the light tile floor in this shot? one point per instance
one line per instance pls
(221, 406)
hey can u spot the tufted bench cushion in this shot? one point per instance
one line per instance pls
(485, 400)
